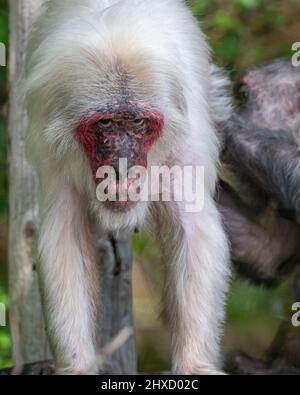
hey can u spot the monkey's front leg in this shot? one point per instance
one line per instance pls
(196, 251)
(67, 280)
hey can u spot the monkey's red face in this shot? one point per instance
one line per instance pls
(124, 130)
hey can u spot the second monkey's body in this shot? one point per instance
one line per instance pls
(132, 79)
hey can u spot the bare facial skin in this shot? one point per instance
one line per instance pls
(121, 130)
(270, 96)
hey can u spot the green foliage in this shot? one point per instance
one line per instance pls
(201, 8)
(245, 32)
(4, 26)
(247, 302)
(5, 348)
(5, 341)
(248, 4)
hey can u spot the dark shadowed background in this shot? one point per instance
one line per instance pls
(242, 33)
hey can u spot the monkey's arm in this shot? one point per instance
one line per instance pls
(67, 278)
(262, 243)
(270, 158)
(196, 255)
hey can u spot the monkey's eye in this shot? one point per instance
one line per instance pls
(106, 123)
(138, 122)
(242, 92)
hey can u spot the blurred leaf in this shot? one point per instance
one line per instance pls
(247, 301)
(5, 339)
(229, 48)
(275, 19)
(226, 21)
(3, 296)
(247, 4)
(4, 27)
(258, 53)
(201, 8)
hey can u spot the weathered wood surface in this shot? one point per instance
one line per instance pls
(115, 259)
(26, 318)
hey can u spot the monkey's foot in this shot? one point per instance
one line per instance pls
(202, 370)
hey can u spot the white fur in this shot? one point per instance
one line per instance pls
(74, 47)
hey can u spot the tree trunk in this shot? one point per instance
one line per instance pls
(27, 326)
(116, 260)
(26, 318)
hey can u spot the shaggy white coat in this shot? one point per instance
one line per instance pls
(78, 53)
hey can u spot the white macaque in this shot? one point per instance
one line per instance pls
(112, 79)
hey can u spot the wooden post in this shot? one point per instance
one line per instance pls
(116, 263)
(26, 318)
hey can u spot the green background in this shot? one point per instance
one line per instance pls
(242, 33)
